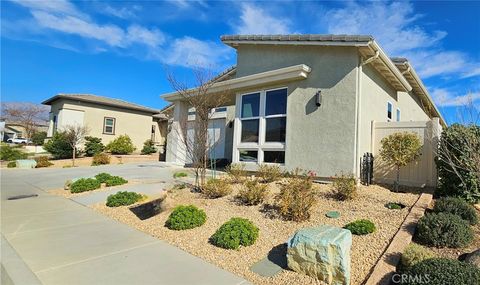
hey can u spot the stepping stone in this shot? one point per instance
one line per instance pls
(333, 214)
(273, 264)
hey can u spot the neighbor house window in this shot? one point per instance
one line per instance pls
(389, 111)
(398, 115)
(263, 117)
(109, 126)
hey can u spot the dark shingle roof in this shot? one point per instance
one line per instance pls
(102, 101)
(311, 37)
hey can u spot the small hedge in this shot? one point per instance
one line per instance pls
(394, 206)
(269, 173)
(103, 177)
(115, 180)
(443, 230)
(100, 158)
(235, 233)
(216, 188)
(121, 145)
(180, 174)
(42, 161)
(84, 184)
(186, 217)
(414, 254)
(458, 207)
(361, 227)
(345, 187)
(123, 198)
(441, 271)
(11, 164)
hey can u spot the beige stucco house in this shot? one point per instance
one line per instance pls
(107, 118)
(308, 101)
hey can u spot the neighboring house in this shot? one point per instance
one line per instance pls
(13, 130)
(308, 101)
(107, 118)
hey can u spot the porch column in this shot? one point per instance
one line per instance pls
(176, 152)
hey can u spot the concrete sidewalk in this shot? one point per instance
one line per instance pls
(64, 242)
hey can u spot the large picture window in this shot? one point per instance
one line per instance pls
(109, 126)
(263, 124)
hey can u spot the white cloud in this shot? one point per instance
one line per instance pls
(255, 20)
(53, 6)
(139, 34)
(446, 98)
(393, 25)
(122, 12)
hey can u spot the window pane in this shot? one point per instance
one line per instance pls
(248, 155)
(275, 129)
(250, 130)
(274, 156)
(389, 110)
(250, 105)
(108, 129)
(276, 102)
(398, 115)
(108, 122)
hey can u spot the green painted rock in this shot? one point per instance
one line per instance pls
(26, 163)
(332, 214)
(321, 252)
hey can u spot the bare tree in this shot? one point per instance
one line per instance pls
(75, 134)
(28, 115)
(203, 101)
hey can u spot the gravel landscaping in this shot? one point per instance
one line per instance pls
(274, 232)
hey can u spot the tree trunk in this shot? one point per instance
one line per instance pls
(73, 155)
(396, 184)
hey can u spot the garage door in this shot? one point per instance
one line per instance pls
(216, 138)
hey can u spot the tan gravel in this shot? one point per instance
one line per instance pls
(274, 231)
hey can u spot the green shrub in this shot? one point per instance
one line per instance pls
(58, 146)
(38, 138)
(149, 147)
(84, 184)
(442, 271)
(186, 217)
(115, 180)
(269, 173)
(414, 254)
(123, 198)
(93, 145)
(103, 177)
(236, 172)
(100, 159)
(252, 192)
(43, 161)
(11, 164)
(216, 188)
(443, 230)
(394, 206)
(453, 144)
(297, 197)
(180, 174)
(361, 227)
(458, 207)
(121, 145)
(345, 187)
(235, 233)
(9, 153)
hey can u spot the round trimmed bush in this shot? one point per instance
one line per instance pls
(186, 217)
(84, 184)
(123, 198)
(443, 230)
(361, 227)
(458, 207)
(115, 180)
(103, 177)
(235, 233)
(414, 254)
(441, 271)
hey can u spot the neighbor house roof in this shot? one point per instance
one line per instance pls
(101, 101)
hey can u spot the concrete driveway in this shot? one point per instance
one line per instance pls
(52, 240)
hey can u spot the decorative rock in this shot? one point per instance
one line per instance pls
(26, 163)
(474, 258)
(333, 214)
(321, 252)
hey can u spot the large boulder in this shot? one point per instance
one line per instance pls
(474, 258)
(322, 252)
(26, 163)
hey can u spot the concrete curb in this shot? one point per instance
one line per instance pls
(385, 267)
(13, 269)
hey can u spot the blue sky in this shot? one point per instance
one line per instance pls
(123, 49)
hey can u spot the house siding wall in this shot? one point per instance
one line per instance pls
(136, 124)
(318, 138)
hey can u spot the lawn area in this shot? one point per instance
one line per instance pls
(274, 230)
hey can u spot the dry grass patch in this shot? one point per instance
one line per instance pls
(274, 232)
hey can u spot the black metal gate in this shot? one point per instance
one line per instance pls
(366, 168)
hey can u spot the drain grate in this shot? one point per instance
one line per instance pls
(22, 196)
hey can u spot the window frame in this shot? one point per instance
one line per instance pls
(261, 145)
(105, 125)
